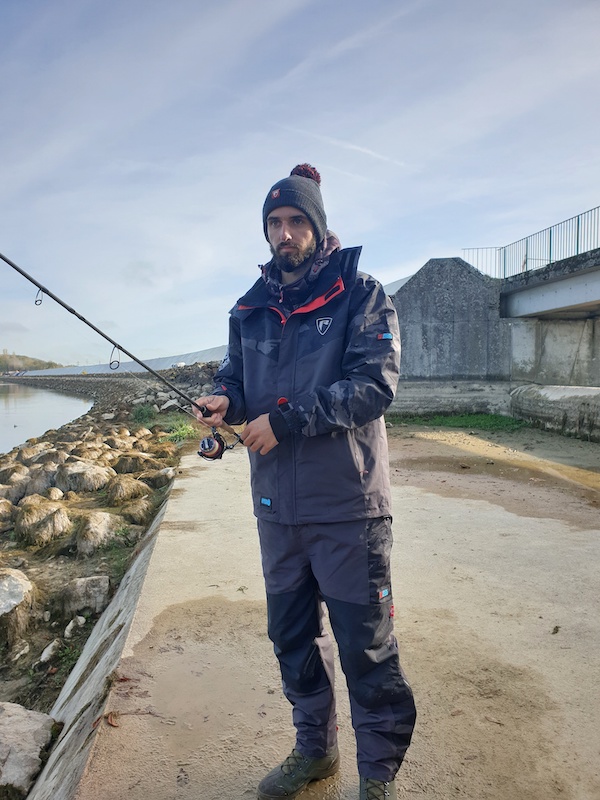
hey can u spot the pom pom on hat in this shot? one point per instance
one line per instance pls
(301, 190)
(306, 171)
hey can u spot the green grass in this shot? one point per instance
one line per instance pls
(118, 552)
(482, 422)
(179, 427)
(144, 414)
(182, 432)
(68, 656)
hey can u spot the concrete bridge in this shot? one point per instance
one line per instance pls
(475, 343)
(568, 289)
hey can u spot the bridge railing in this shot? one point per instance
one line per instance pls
(569, 238)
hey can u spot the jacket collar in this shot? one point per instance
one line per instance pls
(292, 295)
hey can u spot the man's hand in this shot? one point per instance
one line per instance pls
(215, 403)
(258, 435)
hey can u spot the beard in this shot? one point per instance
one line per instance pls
(296, 259)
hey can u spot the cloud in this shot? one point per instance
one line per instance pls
(139, 141)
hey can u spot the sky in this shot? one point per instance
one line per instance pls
(139, 139)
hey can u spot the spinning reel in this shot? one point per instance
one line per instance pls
(213, 447)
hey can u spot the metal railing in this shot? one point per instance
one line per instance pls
(569, 238)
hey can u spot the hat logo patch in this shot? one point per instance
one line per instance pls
(323, 324)
(275, 193)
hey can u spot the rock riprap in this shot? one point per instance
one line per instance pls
(24, 735)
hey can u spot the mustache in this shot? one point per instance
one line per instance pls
(286, 244)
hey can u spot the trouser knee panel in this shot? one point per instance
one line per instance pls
(369, 652)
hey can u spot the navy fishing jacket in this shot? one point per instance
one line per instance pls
(335, 360)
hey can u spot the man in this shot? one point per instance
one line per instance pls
(312, 364)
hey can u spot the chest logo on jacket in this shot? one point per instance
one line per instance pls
(323, 324)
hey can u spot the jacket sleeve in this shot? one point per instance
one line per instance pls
(370, 368)
(229, 378)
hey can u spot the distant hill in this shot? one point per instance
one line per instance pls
(11, 362)
(199, 356)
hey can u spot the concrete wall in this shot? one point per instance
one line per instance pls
(452, 329)
(570, 410)
(556, 352)
(82, 699)
(450, 324)
(423, 398)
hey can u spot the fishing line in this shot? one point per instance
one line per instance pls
(210, 447)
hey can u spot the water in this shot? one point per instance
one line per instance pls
(26, 412)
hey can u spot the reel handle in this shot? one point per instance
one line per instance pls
(206, 413)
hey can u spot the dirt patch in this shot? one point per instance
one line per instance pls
(528, 472)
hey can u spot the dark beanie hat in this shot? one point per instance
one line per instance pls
(301, 190)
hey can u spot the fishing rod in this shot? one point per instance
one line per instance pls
(212, 447)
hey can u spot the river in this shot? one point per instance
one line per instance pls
(26, 412)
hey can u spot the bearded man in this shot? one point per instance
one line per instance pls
(312, 365)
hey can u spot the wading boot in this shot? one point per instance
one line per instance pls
(370, 789)
(294, 774)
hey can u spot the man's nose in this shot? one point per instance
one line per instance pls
(285, 233)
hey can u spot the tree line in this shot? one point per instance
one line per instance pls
(11, 362)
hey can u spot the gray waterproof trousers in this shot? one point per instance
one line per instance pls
(346, 565)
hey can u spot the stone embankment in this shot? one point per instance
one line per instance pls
(118, 391)
(569, 410)
(78, 508)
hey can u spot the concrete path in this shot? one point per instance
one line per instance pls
(497, 617)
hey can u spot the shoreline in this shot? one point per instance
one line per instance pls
(76, 504)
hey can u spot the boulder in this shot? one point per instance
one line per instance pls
(143, 433)
(41, 478)
(88, 453)
(56, 456)
(139, 511)
(16, 604)
(135, 462)
(163, 449)
(117, 443)
(170, 404)
(123, 487)
(11, 468)
(95, 529)
(53, 493)
(86, 594)
(7, 511)
(27, 454)
(39, 521)
(82, 476)
(13, 482)
(158, 478)
(24, 735)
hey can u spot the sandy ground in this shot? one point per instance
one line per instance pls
(497, 596)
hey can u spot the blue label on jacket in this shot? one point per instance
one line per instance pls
(266, 501)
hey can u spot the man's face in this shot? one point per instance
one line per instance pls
(292, 239)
